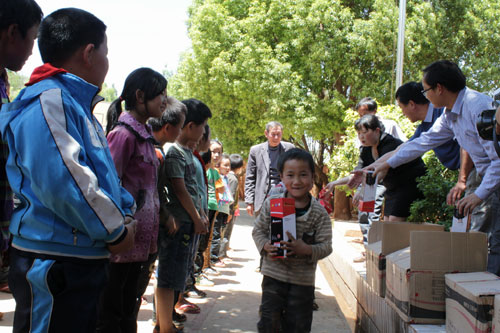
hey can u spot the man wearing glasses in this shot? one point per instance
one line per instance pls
(444, 86)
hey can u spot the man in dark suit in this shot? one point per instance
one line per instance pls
(262, 171)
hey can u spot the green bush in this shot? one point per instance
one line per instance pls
(435, 185)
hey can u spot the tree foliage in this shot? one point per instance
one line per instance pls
(305, 62)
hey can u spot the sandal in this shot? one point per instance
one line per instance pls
(179, 317)
(188, 308)
(4, 287)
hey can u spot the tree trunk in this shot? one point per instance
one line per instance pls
(341, 208)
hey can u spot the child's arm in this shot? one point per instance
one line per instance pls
(261, 234)
(322, 246)
(200, 226)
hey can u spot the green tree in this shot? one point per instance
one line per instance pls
(109, 93)
(304, 62)
(16, 81)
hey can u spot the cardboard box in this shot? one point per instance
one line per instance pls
(385, 238)
(282, 220)
(368, 193)
(419, 328)
(495, 325)
(415, 284)
(469, 301)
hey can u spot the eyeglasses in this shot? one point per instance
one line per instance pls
(424, 92)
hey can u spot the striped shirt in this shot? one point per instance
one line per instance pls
(297, 270)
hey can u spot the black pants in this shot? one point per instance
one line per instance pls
(147, 269)
(220, 221)
(285, 307)
(53, 295)
(119, 298)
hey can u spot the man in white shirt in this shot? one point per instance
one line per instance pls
(444, 86)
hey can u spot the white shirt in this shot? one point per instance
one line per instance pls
(459, 123)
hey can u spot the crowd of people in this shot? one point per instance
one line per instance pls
(89, 215)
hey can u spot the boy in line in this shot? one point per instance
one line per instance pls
(236, 162)
(19, 21)
(73, 211)
(185, 204)
(288, 284)
(165, 129)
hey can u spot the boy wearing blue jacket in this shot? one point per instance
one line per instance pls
(73, 211)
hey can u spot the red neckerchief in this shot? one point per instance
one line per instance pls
(43, 72)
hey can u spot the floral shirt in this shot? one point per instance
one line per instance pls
(132, 148)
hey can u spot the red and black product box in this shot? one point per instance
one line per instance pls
(368, 193)
(282, 220)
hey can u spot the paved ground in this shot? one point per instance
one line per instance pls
(232, 304)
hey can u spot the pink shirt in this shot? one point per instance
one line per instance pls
(136, 163)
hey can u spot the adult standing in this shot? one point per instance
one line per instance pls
(445, 86)
(262, 167)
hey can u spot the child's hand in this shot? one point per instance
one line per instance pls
(270, 249)
(296, 246)
(201, 226)
(171, 225)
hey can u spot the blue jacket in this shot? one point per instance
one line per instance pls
(60, 168)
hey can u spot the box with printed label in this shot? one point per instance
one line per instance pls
(282, 220)
(384, 239)
(469, 301)
(368, 193)
(415, 284)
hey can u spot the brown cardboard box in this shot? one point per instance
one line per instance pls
(385, 238)
(495, 326)
(415, 285)
(469, 301)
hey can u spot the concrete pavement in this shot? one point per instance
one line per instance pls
(232, 304)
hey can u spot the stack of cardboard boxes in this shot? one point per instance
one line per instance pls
(415, 267)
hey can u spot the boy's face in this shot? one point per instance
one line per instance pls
(19, 49)
(216, 150)
(225, 166)
(100, 63)
(298, 178)
(193, 133)
(172, 132)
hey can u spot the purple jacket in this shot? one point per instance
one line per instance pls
(132, 148)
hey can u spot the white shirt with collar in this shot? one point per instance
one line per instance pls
(459, 123)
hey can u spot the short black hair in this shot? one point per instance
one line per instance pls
(369, 121)
(236, 161)
(295, 154)
(24, 13)
(197, 111)
(411, 91)
(172, 114)
(445, 73)
(64, 31)
(369, 102)
(206, 156)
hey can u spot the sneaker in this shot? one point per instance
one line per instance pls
(211, 271)
(194, 292)
(203, 280)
